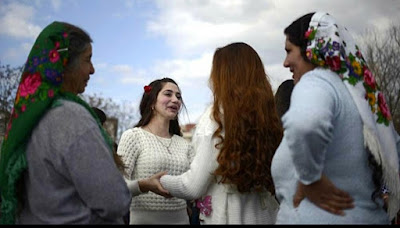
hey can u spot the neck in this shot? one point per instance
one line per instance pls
(159, 127)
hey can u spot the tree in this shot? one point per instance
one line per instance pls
(119, 116)
(383, 58)
(9, 80)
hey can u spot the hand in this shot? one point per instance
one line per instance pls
(153, 184)
(324, 195)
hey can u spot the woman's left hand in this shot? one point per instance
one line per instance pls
(324, 195)
(153, 184)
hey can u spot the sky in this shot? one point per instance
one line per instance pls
(138, 41)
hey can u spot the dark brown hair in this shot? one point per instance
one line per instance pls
(149, 99)
(282, 96)
(296, 31)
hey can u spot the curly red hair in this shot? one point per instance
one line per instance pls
(249, 128)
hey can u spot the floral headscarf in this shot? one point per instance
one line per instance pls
(331, 46)
(39, 90)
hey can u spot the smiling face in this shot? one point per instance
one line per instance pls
(295, 61)
(168, 102)
(76, 79)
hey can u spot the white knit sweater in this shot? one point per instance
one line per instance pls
(228, 205)
(144, 156)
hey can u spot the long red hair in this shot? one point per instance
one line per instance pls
(249, 122)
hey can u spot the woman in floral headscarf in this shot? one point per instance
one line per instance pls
(56, 162)
(339, 147)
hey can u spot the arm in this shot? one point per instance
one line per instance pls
(194, 183)
(314, 102)
(94, 174)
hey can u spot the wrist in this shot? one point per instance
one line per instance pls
(143, 186)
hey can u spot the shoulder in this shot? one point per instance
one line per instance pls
(319, 80)
(70, 115)
(321, 76)
(132, 133)
(206, 124)
(70, 108)
(181, 141)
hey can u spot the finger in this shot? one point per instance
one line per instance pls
(332, 209)
(162, 190)
(160, 174)
(297, 199)
(342, 194)
(339, 201)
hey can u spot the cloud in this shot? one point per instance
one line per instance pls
(15, 21)
(195, 28)
(186, 70)
(56, 4)
(128, 75)
(14, 53)
(205, 25)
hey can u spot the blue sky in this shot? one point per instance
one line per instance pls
(137, 41)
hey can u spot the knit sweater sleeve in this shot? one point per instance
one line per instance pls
(129, 149)
(194, 183)
(309, 124)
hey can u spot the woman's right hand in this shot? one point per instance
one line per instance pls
(153, 184)
(324, 195)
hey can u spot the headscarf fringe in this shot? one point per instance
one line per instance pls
(390, 176)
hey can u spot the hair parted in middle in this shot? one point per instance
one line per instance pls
(250, 123)
(148, 101)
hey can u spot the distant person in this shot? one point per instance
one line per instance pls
(234, 141)
(100, 114)
(156, 144)
(339, 146)
(56, 162)
(282, 96)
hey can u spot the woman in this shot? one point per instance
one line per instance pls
(153, 145)
(339, 146)
(234, 141)
(54, 145)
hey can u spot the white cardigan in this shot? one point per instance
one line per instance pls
(228, 205)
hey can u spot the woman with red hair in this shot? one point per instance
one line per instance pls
(234, 141)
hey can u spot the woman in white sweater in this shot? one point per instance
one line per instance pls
(234, 141)
(153, 145)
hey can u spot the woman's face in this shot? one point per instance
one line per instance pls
(75, 81)
(168, 102)
(295, 62)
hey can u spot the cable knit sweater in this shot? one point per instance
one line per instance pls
(145, 155)
(227, 204)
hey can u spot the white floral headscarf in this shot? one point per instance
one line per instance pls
(331, 46)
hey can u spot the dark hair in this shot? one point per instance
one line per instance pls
(296, 31)
(149, 99)
(100, 114)
(79, 41)
(282, 96)
(252, 131)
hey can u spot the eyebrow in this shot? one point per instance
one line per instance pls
(168, 90)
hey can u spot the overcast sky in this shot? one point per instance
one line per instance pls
(137, 41)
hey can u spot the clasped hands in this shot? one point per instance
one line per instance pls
(153, 184)
(324, 195)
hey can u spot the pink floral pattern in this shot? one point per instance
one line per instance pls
(369, 79)
(30, 84)
(383, 107)
(204, 205)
